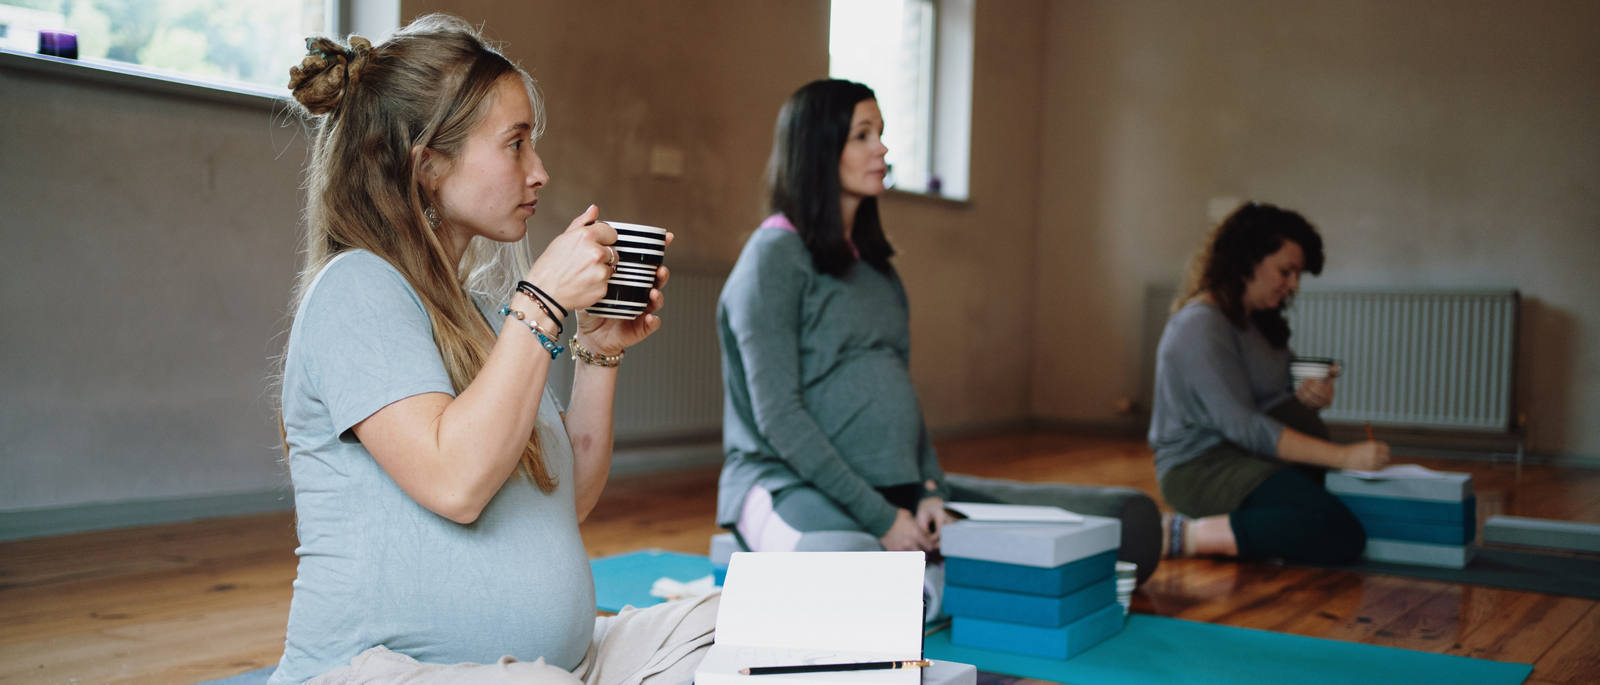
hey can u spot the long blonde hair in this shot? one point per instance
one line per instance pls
(374, 109)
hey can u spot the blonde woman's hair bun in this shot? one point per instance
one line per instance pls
(327, 72)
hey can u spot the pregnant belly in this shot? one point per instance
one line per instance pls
(868, 405)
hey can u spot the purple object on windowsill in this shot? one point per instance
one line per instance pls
(58, 44)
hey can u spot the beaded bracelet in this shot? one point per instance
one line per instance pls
(583, 354)
(533, 327)
(560, 328)
(534, 292)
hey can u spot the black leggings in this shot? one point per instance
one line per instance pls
(1291, 516)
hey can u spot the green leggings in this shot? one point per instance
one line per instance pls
(1278, 510)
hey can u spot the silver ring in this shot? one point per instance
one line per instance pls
(612, 261)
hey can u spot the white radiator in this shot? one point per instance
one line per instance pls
(670, 385)
(1441, 360)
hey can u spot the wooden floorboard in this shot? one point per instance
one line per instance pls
(195, 601)
(1575, 657)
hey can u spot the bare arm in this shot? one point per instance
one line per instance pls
(1363, 456)
(452, 455)
(591, 427)
(591, 415)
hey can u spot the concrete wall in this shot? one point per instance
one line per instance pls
(707, 78)
(1435, 144)
(149, 244)
(150, 237)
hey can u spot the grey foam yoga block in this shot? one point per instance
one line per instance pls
(1519, 530)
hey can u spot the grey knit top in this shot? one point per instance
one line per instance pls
(817, 383)
(1214, 382)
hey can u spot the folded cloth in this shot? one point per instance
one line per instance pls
(662, 644)
(668, 588)
(659, 645)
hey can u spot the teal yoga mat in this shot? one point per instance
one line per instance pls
(1150, 649)
(625, 579)
(1554, 574)
(1153, 649)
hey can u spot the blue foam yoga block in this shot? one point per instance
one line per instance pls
(1413, 531)
(1421, 511)
(1438, 486)
(1054, 582)
(1033, 610)
(1419, 553)
(1045, 545)
(723, 545)
(1054, 643)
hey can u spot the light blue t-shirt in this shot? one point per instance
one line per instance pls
(375, 567)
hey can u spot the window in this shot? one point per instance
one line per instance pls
(233, 44)
(917, 56)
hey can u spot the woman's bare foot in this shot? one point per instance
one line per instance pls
(1212, 535)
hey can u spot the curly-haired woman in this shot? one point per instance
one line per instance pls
(1239, 450)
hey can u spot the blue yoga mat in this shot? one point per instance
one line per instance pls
(1153, 649)
(625, 579)
(1150, 649)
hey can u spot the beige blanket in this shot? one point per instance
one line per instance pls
(659, 645)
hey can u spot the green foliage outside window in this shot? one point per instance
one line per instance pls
(253, 41)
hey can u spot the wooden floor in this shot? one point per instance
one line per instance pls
(194, 601)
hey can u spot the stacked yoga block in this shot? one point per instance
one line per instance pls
(723, 545)
(1042, 589)
(1424, 518)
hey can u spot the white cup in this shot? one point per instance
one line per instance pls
(1304, 368)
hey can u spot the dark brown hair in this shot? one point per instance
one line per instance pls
(803, 177)
(1231, 253)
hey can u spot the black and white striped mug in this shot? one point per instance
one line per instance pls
(640, 250)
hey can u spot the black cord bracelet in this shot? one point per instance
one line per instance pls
(533, 291)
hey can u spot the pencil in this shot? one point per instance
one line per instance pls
(826, 668)
(1369, 432)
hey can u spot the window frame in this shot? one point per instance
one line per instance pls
(377, 18)
(947, 109)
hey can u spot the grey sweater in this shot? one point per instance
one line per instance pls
(1214, 382)
(817, 383)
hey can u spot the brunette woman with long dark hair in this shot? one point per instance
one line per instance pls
(824, 436)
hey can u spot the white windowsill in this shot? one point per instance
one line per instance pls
(960, 202)
(121, 74)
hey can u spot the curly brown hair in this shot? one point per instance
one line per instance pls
(1229, 258)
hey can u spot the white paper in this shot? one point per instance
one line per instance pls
(818, 607)
(1396, 472)
(1012, 513)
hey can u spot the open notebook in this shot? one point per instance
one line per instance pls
(789, 608)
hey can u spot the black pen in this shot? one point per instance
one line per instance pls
(826, 668)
